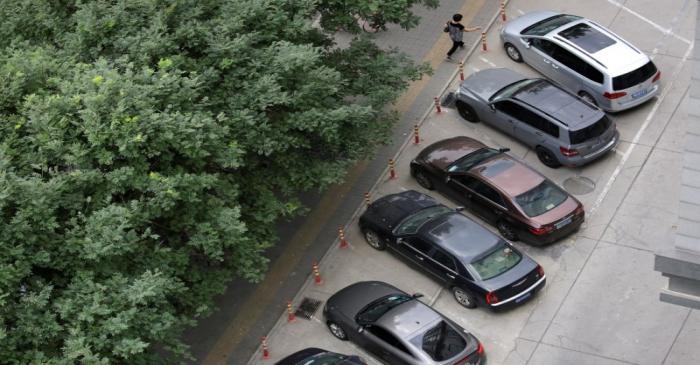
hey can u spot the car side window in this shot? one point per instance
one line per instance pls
(508, 107)
(444, 259)
(528, 117)
(550, 128)
(387, 337)
(483, 189)
(575, 63)
(544, 45)
(420, 245)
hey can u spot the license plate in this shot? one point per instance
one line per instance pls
(563, 223)
(523, 297)
(639, 93)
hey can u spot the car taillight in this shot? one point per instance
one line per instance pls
(491, 298)
(657, 77)
(540, 270)
(579, 210)
(480, 349)
(540, 231)
(614, 95)
(568, 152)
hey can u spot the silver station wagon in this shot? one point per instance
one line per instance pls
(583, 57)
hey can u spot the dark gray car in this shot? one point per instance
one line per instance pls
(398, 328)
(562, 128)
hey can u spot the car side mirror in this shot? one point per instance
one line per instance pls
(448, 178)
(493, 107)
(459, 208)
(417, 295)
(526, 42)
(360, 329)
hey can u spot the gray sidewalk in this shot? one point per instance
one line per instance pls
(600, 305)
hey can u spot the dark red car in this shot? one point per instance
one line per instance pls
(519, 201)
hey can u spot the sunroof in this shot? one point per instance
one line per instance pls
(587, 37)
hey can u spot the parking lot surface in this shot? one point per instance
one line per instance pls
(600, 304)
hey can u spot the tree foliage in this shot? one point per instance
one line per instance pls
(147, 148)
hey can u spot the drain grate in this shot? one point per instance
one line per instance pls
(579, 185)
(307, 308)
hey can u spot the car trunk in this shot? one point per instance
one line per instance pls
(515, 281)
(592, 138)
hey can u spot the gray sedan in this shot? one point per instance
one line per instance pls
(398, 328)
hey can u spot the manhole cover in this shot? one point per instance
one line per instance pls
(579, 185)
(307, 308)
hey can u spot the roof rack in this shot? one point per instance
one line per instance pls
(580, 50)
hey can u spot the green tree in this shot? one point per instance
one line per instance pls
(148, 147)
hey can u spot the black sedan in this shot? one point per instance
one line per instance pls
(479, 267)
(316, 356)
(398, 328)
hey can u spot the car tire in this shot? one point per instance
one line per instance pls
(337, 331)
(587, 98)
(464, 298)
(513, 53)
(507, 231)
(373, 239)
(547, 157)
(467, 112)
(423, 179)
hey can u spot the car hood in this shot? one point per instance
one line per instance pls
(487, 82)
(350, 300)
(515, 26)
(443, 153)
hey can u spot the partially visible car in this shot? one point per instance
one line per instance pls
(476, 265)
(583, 57)
(316, 356)
(560, 127)
(398, 328)
(502, 190)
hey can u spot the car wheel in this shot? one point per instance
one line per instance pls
(587, 98)
(337, 331)
(464, 298)
(547, 157)
(423, 179)
(513, 53)
(374, 240)
(507, 231)
(467, 112)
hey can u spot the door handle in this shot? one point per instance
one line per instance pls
(539, 133)
(547, 61)
(450, 276)
(420, 258)
(555, 66)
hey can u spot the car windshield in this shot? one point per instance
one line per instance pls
(465, 163)
(324, 358)
(376, 309)
(592, 131)
(513, 88)
(547, 25)
(586, 37)
(412, 223)
(497, 262)
(541, 199)
(442, 342)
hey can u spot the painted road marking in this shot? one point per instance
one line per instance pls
(487, 61)
(520, 11)
(658, 27)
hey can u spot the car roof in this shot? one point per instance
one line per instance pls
(460, 236)
(619, 58)
(559, 104)
(508, 174)
(408, 319)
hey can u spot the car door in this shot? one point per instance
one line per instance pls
(571, 69)
(443, 266)
(416, 250)
(541, 57)
(502, 114)
(529, 127)
(485, 201)
(385, 345)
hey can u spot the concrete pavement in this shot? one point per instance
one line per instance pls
(600, 305)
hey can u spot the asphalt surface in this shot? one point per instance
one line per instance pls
(601, 303)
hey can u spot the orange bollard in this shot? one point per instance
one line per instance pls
(367, 202)
(483, 42)
(341, 235)
(392, 170)
(437, 105)
(265, 350)
(503, 11)
(416, 137)
(317, 274)
(461, 71)
(291, 317)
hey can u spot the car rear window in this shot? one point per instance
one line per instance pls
(587, 37)
(592, 131)
(547, 25)
(634, 77)
(324, 358)
(541, 199)
(442, 342)
(497, 262)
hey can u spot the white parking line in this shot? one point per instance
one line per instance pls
(487, 61)
(637, 136)
(658, 27)
(520, 11)
(476, 69)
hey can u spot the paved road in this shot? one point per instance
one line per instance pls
(248, 311)
(601, 304)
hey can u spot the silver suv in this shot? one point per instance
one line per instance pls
(583, 57)
(563, 129)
